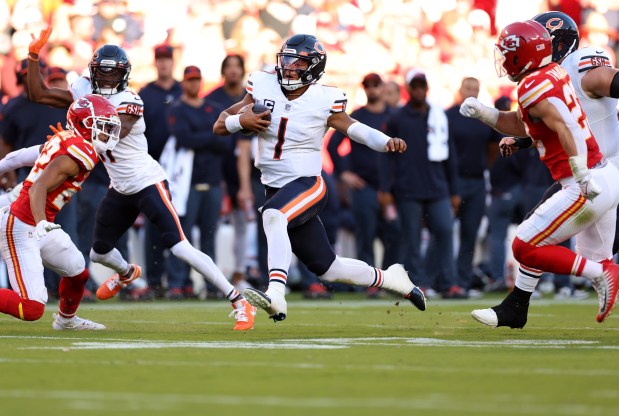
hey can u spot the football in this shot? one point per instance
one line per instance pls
(257, 109)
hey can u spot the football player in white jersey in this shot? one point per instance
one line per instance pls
(301, 111)
(596, 85)
(138, 182)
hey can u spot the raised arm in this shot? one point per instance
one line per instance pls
(37, 90)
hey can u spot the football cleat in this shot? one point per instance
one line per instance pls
(244, 314)
(509, 313)
(607, 289)
(397, 281)
(417, 298)
(273, 303)
(114, 284)
(76, 324)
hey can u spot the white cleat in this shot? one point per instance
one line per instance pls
(274, 304)
(396, 280)
(76, 324)
(486, 317)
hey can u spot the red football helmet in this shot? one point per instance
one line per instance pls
(521, 48)
(94, 118)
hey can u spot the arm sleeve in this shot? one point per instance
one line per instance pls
(20, 158)
(368, 136)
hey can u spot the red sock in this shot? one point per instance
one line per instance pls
(71, 290)
(12, 304)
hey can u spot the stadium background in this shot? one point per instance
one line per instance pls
(449, 38)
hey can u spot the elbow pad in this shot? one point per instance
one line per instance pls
(368, 136)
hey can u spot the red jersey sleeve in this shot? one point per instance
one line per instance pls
(82, 152)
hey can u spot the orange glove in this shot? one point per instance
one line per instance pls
(37, 43)
(55, 130)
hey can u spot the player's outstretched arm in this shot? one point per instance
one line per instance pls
(364, 134)
(38, 91)
(20, 158)
(506, 122)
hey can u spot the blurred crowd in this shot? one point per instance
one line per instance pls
(448, 41)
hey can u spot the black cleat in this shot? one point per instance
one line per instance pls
(417, 298)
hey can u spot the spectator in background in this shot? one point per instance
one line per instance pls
(20, 131)
(113, 15)
(57, 77)
(506, 207)
(393, 95)
(358, 172)
(158, 95)
(477, 146)
(237, 165)
(423, 184)
(191, 119)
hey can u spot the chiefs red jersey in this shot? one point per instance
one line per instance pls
(64, 143)
(553, 83)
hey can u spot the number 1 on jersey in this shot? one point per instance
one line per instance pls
(281, 133)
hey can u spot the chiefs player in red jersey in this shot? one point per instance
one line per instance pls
(29, 238)
(551, 115)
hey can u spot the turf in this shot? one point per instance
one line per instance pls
(347, 356)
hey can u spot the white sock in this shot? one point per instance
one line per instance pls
(527, 278)
(276, 230)
(205, 266)
(352, 272)
(113, 259)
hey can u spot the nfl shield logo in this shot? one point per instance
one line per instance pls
(287, 107)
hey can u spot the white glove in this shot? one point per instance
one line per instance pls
(589, 188)
(43, 227)
(473, 108)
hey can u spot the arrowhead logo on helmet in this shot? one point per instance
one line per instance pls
(510, 43)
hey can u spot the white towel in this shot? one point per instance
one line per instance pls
(438, 134)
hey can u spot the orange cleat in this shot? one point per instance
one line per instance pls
(114, 284)
(244, 314)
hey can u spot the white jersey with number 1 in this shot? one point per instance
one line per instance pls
(291, 146)
(601, 112)
(129, 165)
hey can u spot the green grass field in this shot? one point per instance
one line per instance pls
(347, 356)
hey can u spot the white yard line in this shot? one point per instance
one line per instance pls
(310, 344)
(159, 402)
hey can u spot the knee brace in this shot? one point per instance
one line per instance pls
(271, 216)
(30, 310)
